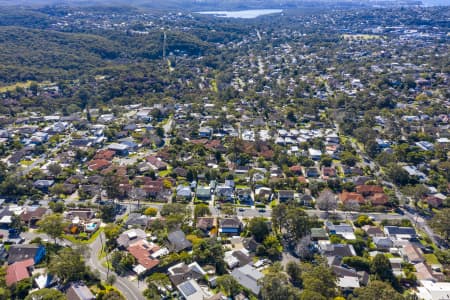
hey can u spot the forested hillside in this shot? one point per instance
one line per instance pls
(35, 54)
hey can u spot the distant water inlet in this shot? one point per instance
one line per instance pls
(242, 14)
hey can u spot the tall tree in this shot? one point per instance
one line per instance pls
(381, 267)
(275, 285)
(319, 279)
(68, 265)
(53, 225)
(376, 290)
(326, 201)
(441, 223)
(229, 285)
(259, 228)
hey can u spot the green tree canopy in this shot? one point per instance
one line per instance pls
(259, 228)
(376, 290)
(68, 264)
(46, 294)
(53, 225)
(441, 223)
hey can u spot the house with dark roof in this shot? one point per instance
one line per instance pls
(230, 226)
(43, 184)
(32, 214)
(403, 233)
(338, 250)
(178, 241)
(318, 234)
(206, 224)
(182, 272)
(18, 253)
(84, 214)
(137, 220)
(373, 231)
(225, 191)
(203, 193)
(285, 195)
(130, 236)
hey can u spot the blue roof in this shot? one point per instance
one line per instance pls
(229, 230)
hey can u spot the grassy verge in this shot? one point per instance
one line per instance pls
(431, 259)
(86, 242)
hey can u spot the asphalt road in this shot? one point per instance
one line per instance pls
(128, 289)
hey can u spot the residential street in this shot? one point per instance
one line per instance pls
(128, 288)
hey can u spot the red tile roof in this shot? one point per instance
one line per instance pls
(347, 197)
(296, 169)
(98, 164)
(18, 271)
(105, 154)
(379, 199)
(142, 250)
(369, 189)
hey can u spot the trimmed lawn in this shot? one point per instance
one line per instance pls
(90, 240)
(431, 259)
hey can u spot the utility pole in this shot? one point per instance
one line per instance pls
(107, 260)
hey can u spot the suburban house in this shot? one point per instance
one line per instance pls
(248, 277)
(79, 291)
(206, 225)
(423, 272)
(178, 242)
(146, 255)
(203, 193)
(237, 258)
(181, 272)
(401, 233)
(412, 254)
(18, 271)
(225, 191)
(230, 226)
(156, 163)
(190, 290)
(373, 231)
(285, 195)
(344, 230)
(430, 290)
(137, 220)
(318, 234)
(130, 236)
(17, 253)
(184, 192)
(337, 250)
(32, 214)
(383, 243)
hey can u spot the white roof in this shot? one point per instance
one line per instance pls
(6, 220)
(314, 152)
(160, 252)
(348, 282)
(434, 290)
(139, 269)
